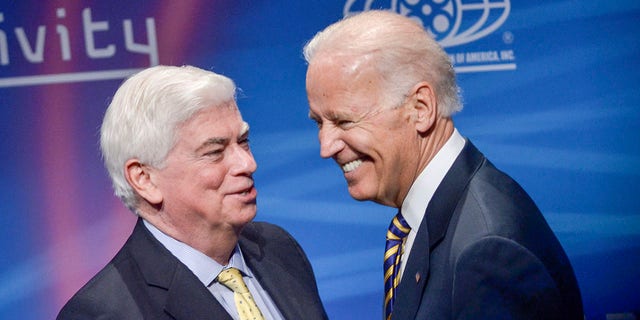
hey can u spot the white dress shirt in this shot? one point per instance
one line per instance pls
(207, 269)
(423, 188)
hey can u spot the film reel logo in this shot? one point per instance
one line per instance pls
(451, 22)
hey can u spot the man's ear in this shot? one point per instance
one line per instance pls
(139, 177)
(425, 106)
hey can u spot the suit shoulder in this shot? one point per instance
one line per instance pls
(492, 180)
(498, 202)
(496, 205)
(264, 237)
(496, 275)
(105, 296)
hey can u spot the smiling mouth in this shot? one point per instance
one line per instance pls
(350, 166)
(248, 190)
(247, 196)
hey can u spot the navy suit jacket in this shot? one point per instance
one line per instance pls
(484, 251)
(145, 281)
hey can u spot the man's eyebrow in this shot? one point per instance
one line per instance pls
(244, 131)
(212, 141)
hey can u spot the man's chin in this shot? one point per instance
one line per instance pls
(247, 215)
(359, 194)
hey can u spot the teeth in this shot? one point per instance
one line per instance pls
(351, 165)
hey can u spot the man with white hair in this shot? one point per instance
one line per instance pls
(467, 242)
(177, 150)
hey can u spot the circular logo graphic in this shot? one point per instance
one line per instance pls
(451, 22)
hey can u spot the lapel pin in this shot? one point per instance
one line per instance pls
(417, 277)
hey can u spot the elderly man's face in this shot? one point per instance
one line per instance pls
(206, 181)
(372, 142)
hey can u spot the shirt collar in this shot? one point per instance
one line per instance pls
(204, 268)
(415, 203)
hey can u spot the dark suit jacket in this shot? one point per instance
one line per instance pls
(484, 251)
(145, 281)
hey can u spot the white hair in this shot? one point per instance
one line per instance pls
(402, 51)
(142, 118)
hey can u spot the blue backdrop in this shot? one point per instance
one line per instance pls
(551, 92)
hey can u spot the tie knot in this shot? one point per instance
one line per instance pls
(399, 228)
(232, 279)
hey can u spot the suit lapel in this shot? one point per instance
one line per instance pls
(414, 278)
(282, 286)
(186, 297)
(432, 230)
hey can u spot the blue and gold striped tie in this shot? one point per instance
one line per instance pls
(396, 236)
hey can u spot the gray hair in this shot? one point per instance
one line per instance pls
(402, 51)
(143, 115)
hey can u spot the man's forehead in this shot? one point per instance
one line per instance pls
(346, 64)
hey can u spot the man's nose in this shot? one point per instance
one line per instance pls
(330, 142)
(243, 161)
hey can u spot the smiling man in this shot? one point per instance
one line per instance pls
(467, 242)
(177, 151)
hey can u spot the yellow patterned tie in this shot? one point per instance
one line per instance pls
(247, 308)
(396, 236)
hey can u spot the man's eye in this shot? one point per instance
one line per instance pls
(214, 153)
(344, 123)
(244, 142)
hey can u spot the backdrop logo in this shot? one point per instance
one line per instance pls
(73, 47)
(454, 24)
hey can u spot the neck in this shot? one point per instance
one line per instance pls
(217, 242)
(434, 140)
(430, 144)
(217, 245)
